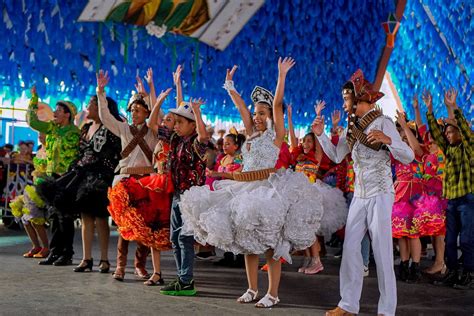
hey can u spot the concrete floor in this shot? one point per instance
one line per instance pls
(29, 289)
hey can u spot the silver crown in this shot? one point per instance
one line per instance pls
(262, 95)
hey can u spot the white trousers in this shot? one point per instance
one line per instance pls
(375, 215)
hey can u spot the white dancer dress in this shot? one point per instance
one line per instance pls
(282, 212)
(335, 209)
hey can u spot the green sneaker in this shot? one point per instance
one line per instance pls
(178, 288)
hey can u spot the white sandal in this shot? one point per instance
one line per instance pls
(249, 296)
(267, 301)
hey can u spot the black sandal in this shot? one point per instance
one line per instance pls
(151, 282)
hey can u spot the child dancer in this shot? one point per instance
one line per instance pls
(227, 163)
(136, 140)
(408, 189)
(430, 213)
(308, 161)
(230, 161)
(188, 166)
(30, 208)
(142, 206)
(370, 137)
(260, 211)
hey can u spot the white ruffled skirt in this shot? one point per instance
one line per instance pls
(282, 213)
(335, 209)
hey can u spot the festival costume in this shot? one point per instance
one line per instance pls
(372, 204)
(61, 141)
(188, 167)
(30, 207)
(430, 212)
(265, 211)
(83, 189)
(458, 188)
(141, 206)
(62, 148)
(224, 164)
(136, 144)
(408, 189)
(334, 202)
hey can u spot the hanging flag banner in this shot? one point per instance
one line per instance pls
(215, 22)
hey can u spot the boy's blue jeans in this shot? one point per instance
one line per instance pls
(460, 222)
(183, 246)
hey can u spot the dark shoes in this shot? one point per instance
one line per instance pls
(403, 271)
(49, 260)
(63, 261)
(153, 281)
(449, 279)
(338, 254)
(231, 261)
(415, 273)
(84, 266)
(56, 260)
(465, 282)
(178, 288)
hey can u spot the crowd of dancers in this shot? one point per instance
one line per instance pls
(167, 184)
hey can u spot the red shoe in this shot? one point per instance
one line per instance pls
(42, 254)
(32, 252)
(338, 312)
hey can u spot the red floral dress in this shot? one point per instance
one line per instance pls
(408, 188)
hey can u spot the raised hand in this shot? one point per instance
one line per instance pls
(196, 104)
(139, 86)
(428, 100)
(335, 118)
(290, 111)
(376, 136)
(450, 98)
(149, 76)
(401, 119)
(163, 95)
(285, 65)
(177, 75)
(317, 127)
(415, 102)
(319, 107)
(102, 80)
(230, 73)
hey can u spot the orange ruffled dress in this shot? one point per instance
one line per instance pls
(141, 206)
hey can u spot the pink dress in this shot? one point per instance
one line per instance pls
(225, 165)
(430, 213)
(408, 189)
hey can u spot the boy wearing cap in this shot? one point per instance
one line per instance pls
(371, 138)
(188, 167)
(62, 148)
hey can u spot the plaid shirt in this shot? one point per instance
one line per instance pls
(187, 160)
(459, 172)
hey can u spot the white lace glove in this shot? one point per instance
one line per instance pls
(229, 86)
